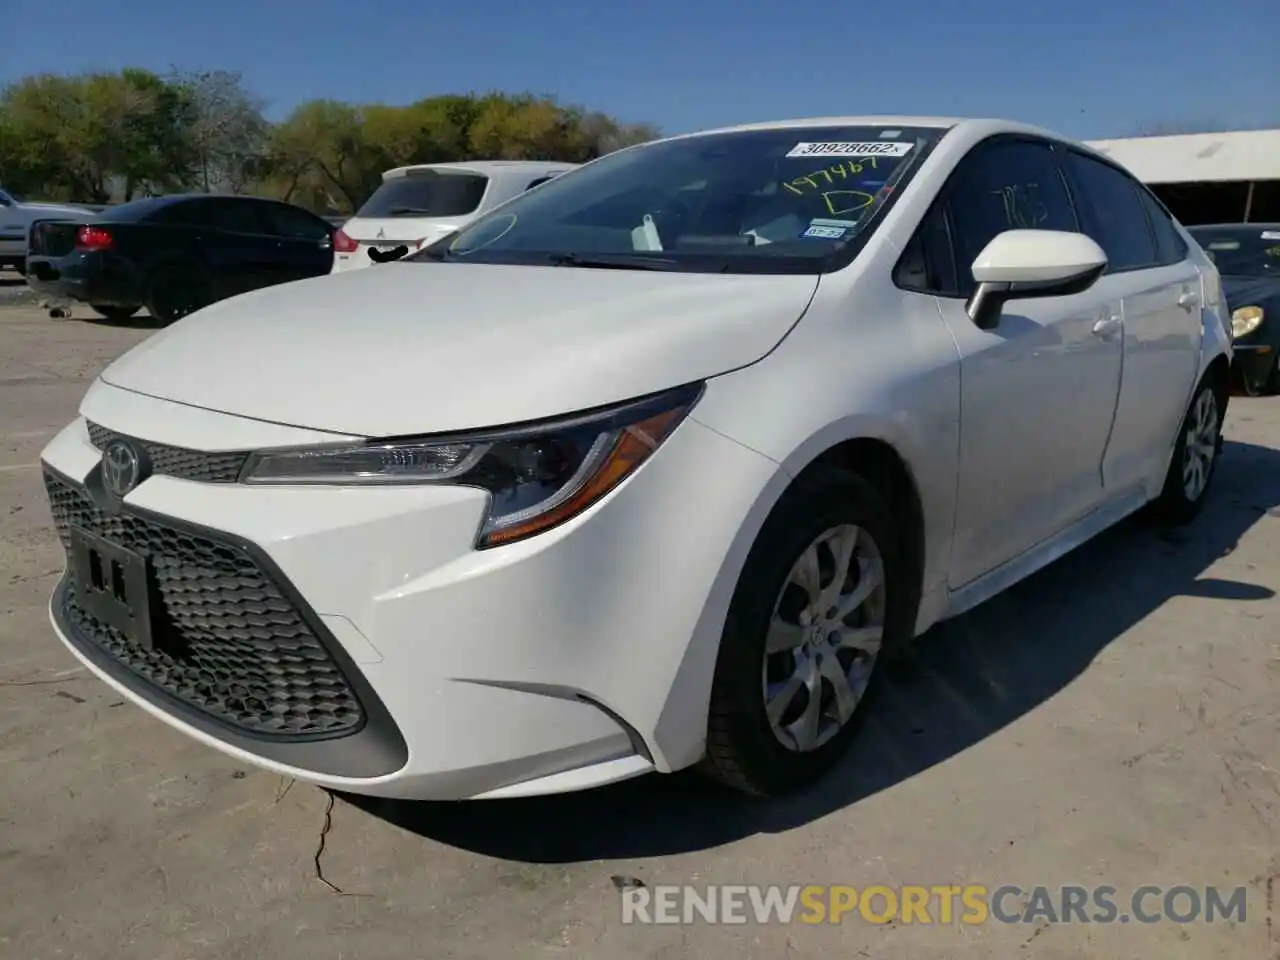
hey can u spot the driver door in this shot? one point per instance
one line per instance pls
(1038, 392)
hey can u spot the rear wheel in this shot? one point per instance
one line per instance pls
(175, 292)
(113, 313)
(1194, 459)
(821, 595)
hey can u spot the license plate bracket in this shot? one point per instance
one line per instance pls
(114, 585)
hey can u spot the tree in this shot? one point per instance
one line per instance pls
(227, 132)
(99, 137)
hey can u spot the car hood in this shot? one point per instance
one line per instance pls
(1249, 291)
(41, 209)
(407, 348)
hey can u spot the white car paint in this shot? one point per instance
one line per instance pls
(16, 219)
(584, 654)
(365, 232)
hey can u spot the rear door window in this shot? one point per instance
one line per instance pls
(235, 216)
(1113, 213)
(1170, 247)
(429, 193)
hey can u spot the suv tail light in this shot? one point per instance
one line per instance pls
(343, 243)
(93, 238)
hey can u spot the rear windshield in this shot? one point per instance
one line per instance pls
(428, 193)
(1241, 251)
(136, 210)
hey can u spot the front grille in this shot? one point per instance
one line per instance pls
(232, 644)
(178, 461)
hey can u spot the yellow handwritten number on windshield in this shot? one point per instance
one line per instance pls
(838, 202)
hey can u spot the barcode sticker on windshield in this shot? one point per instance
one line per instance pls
(883, 148)
(1271, 234)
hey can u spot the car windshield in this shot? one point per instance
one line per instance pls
(427, 193)
(1242, 251)
(748, 201)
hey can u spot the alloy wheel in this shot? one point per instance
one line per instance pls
(1200, 445)
(824, 638)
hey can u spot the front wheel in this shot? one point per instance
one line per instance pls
(1195, 455)
(821, 595)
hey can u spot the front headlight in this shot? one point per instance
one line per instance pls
(538, 475)
(1245, 320)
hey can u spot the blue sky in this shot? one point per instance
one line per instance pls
(1091, 68)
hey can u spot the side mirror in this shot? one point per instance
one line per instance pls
(1019, 264)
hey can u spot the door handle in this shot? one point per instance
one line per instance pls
(1107, 327)
(1188, 300)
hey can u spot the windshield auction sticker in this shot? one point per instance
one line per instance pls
(870, 149)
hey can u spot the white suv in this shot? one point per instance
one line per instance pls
(653, 466)
(418, 205)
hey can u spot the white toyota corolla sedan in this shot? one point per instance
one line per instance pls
(648, 468)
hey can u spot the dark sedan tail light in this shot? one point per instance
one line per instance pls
(93, 238)
(343, 243)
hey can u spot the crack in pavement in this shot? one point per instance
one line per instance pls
(38, 683)
(320, 847)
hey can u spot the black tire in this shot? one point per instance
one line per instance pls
(1273, 378)
(743, 751)
(112, 312)
(1177, 505)
(1255, 388)
(21, 267)
(177, 291)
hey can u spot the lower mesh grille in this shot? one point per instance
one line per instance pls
(231, 643)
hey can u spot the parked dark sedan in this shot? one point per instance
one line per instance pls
(176, 254)
(1248, 259)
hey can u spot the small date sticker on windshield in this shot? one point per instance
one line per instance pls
(881, 148)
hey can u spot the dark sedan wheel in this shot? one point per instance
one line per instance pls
(113, 313)
(175, 292)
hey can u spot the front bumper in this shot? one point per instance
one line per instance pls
(570, 660)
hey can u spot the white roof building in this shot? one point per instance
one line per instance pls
(1240, 156)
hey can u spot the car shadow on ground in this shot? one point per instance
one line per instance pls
(978, 673)
(141, 321)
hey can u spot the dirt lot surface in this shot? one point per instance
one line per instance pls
(1111, 721)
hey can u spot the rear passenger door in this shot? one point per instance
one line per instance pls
(240, 251)
(1159, 290)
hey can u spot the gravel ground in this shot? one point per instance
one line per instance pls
(1113, 720)
(14, 291)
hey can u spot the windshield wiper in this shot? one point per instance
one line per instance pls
(401, 211)
(613, 261)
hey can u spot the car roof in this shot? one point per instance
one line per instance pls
(486, 167)
(969, 129)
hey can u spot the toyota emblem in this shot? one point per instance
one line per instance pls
(121, 467)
